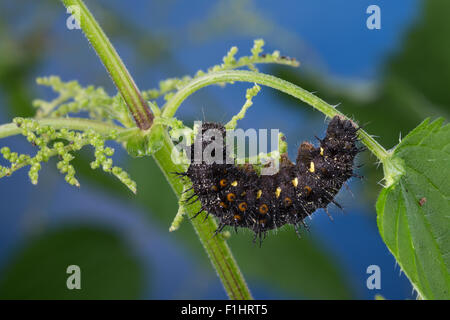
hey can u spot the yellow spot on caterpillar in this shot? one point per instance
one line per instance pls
(223, 182)
(243, 194)
(295, 182)
(263, 209)
(231, 197)
(278, 192)
(214, 188)
(321, 151)
(237, 217)
(311, 167)
(259, 194)
(234, 183)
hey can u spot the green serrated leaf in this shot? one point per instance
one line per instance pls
(414, 212)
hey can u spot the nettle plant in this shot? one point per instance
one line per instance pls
(412, 209)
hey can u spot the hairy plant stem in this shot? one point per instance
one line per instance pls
(216, 247)
(270, 81)
(113, 64)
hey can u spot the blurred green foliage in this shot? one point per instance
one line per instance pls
(300, 267)
(20, 53)
(108, 269)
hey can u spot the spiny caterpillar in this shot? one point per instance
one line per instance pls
(241, 198)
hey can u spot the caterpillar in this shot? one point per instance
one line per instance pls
(241, 198)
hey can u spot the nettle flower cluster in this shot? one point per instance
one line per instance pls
(61, 143)
(59, 128)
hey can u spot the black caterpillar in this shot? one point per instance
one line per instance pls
(239, 197)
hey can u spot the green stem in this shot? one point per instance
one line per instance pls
(267, 80)
(113, 64)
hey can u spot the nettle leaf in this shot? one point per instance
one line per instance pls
(414, 211)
